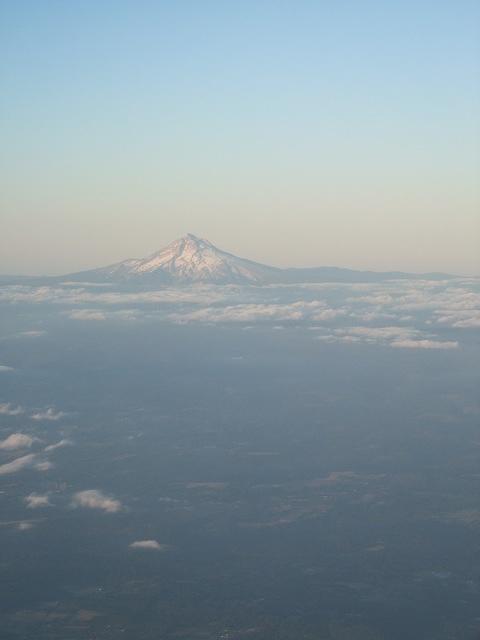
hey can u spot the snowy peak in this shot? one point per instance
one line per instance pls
(189, 259)
(188, 256)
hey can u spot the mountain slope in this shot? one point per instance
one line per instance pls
(186, 260)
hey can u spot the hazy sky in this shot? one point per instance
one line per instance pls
(296, 133)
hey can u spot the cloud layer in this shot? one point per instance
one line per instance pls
(427, 314)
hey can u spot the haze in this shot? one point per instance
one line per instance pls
(298, 134)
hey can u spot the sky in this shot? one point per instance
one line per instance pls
(299, 133)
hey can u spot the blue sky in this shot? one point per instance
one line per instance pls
(296, 133)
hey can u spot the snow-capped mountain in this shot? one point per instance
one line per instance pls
(186, 260)
(191, 259)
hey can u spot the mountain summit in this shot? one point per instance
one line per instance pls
(186, 260)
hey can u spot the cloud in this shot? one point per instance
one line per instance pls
(74, 283)
(18, 464)
(467, 319)
(376, 316)
(380, 333)
(48, 414)
(147, 544)
(298, 310)
(7, 409)
(424, 344)
(4, 368)
(73, 294)
(398, 337)
(36, 501)
(468, 323)
(372, 335)
(24, 526)
(95, 499)
(87, 314)
(30, 460)
(328, 314)
(44, 465)
(379, 299)
(16, 441)
(33, 333)
(36, 461)
(422, 295)
(453, 303)
(97, 315)
(58, 445)
(25, 334)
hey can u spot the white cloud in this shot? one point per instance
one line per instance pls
(16, 441)
(328, 314)
(379, 333)
(24, 526)
(7, 409)
(424, 344)
(18, 464)
(95, 499)
(398, 337)
(98, 315)
(58, 445)
(468, 323)
(336, 338)
(421, 295)
(466, 319)
(376, 316)
(73, 283)
(81, 295)
(4, 368)
(30, 460)
(147, 544)
(379, 299)
(36, 501)
(44, 465)
(250, 312)
(33, 333)
(87, 314)
(418, 303)
(48, 414)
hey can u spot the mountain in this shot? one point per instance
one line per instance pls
(186, 260)
(191, 259)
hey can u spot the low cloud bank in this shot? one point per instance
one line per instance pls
(447, 305)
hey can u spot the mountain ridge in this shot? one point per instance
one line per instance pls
(190, 259)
